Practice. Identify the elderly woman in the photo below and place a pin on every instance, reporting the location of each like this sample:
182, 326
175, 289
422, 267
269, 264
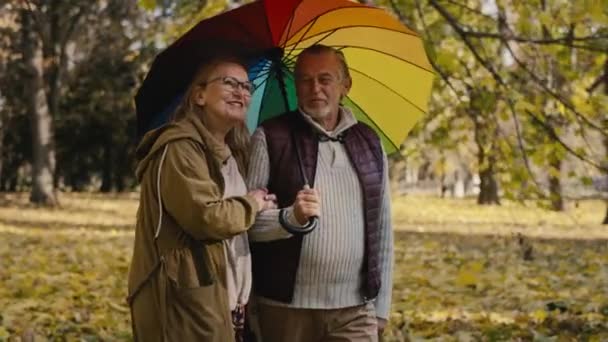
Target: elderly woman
190, 275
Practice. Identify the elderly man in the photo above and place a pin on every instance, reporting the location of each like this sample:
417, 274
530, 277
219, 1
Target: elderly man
335, 282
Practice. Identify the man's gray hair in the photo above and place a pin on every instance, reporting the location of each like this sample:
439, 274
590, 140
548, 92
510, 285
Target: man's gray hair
318, 49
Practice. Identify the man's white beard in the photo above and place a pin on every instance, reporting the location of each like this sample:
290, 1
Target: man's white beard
319, 113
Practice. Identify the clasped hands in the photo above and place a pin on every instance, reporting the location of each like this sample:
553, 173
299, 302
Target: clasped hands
306, 205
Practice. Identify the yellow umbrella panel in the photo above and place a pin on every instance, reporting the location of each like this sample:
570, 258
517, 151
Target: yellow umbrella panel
392, 78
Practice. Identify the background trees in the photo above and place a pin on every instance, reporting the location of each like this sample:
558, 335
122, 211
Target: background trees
518, 109
523, 81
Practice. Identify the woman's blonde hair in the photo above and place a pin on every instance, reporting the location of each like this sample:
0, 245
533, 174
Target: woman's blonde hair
238, 137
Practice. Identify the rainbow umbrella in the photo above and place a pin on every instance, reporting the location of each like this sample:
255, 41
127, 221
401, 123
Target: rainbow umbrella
392, 77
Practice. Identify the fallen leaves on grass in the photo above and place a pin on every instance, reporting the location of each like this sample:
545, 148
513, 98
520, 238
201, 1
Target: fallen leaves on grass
462, 273
63, 271
461, 282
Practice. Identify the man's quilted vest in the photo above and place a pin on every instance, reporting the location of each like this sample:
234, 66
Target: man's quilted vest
275, 263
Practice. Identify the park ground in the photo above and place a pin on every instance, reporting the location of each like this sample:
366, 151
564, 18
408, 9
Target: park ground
462, 272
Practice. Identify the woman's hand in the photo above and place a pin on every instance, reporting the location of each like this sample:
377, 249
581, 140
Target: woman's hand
264, 199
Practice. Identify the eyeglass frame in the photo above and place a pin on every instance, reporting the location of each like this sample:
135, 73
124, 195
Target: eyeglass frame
239, 84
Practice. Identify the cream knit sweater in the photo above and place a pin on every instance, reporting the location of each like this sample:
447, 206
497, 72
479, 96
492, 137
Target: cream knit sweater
238, 257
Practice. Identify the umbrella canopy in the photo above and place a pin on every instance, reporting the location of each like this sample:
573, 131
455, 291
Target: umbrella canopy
392, 77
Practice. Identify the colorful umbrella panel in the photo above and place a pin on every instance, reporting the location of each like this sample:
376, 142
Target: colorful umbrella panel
391, 75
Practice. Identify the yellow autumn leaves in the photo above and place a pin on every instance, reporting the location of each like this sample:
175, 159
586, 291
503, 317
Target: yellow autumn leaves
461, 273
469, 273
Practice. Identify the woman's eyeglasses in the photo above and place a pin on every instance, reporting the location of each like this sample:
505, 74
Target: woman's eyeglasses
233, 84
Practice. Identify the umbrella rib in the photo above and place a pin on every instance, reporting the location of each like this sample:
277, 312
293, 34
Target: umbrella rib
391, 55
291, 19
268, 22
263, 73
329, 33
375, 50
290, 61
357, 26
260, 75
261, 70
265, 70
353, 103
266, 89
387, 87
308, 29
353, 26
291, 58
261, 84
316, 18
317, 42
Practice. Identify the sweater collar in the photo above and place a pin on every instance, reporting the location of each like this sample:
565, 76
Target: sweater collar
346, 119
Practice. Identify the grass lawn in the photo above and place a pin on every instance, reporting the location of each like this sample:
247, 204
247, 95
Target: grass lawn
462, 272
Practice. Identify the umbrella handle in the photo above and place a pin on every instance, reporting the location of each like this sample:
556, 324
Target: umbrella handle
312, 223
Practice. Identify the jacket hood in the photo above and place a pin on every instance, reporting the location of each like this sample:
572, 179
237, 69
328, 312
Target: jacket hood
190, 127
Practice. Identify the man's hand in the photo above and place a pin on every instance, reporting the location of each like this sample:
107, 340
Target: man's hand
306, 205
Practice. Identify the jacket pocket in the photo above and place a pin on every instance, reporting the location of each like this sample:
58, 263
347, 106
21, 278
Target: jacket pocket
197, 307
189, 268
198, 314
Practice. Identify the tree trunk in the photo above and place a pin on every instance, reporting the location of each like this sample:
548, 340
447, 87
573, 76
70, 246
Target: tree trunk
107, 171
120, 183
606, 127
3, 122
2, 129
555, 158
43, 149
555, 186
55, 53
606, 149
488, 187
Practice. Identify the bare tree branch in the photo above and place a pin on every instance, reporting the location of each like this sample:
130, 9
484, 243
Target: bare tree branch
520, 144
566, 40
602, 78
520, 140
456, 26
74, 20
543, 84
444, 76
488, 66
473, 10
400, 15
36, 15
555, 137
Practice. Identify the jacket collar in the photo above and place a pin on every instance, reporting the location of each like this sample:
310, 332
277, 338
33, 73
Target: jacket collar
219, 150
